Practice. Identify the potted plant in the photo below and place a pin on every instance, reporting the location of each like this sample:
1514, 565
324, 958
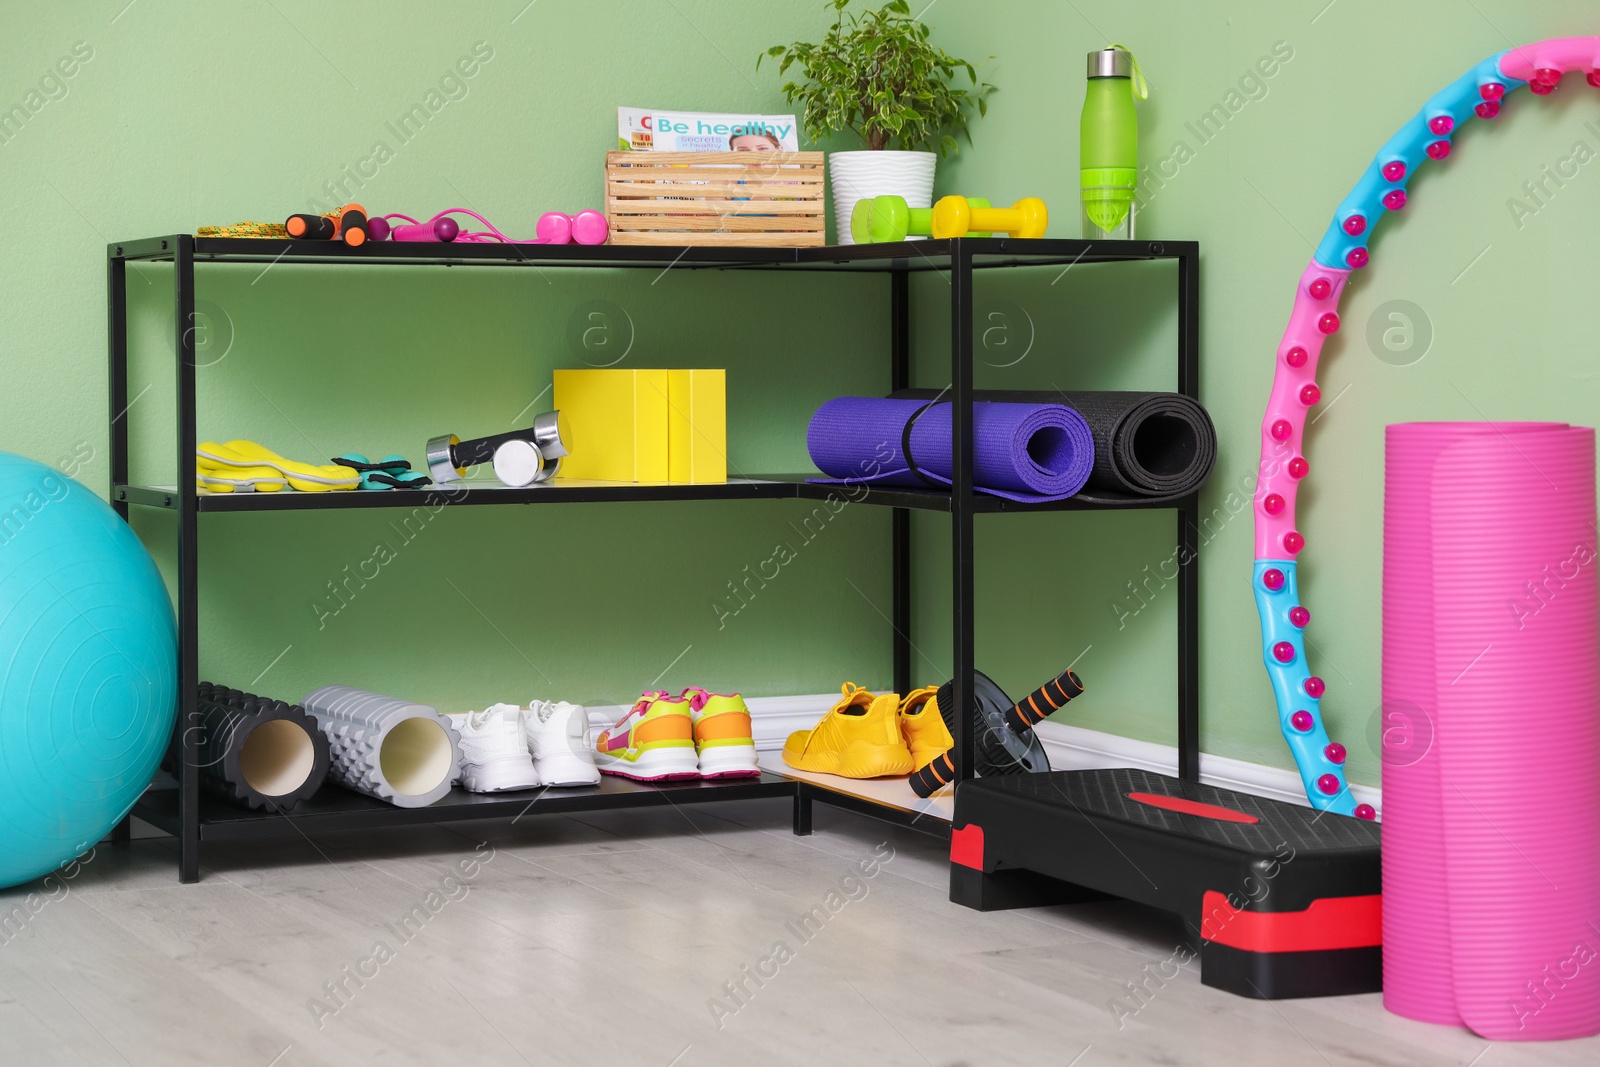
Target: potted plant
876, 74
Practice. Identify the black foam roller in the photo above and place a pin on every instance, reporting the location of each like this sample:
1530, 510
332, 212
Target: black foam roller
1150, 446
271, 771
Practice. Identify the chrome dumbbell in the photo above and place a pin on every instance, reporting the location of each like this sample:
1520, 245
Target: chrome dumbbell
520, 457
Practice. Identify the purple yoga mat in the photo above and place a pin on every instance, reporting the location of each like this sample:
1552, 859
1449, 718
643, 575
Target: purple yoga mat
1022, 452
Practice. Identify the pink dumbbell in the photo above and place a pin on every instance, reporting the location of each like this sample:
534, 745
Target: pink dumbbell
587, 227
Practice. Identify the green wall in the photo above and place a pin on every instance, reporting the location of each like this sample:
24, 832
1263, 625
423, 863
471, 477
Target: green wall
185, 114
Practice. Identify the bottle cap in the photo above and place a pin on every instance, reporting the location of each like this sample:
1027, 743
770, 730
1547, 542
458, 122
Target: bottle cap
1111, 63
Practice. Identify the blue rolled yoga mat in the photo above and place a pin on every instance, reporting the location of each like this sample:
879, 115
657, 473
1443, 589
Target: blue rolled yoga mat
1022, 452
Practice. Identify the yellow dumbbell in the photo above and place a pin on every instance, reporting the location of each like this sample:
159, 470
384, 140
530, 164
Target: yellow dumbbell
955, 216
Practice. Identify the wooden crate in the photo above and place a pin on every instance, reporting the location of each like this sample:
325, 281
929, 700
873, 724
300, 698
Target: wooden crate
716, 198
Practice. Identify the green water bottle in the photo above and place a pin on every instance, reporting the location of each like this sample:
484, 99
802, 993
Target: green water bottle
1108, 143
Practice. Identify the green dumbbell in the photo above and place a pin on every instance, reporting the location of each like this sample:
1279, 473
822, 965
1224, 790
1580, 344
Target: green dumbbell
882, 219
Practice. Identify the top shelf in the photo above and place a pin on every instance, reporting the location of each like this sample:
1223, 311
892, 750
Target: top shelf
904, 256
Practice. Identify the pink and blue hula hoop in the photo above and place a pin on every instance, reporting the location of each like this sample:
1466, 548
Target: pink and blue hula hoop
1279, 543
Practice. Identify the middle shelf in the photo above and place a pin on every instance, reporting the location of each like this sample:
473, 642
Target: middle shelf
575, 491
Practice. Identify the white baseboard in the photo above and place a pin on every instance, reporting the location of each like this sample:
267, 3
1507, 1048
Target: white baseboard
773, 719
1075, 748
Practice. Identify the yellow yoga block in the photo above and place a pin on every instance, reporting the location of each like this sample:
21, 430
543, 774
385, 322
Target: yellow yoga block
697, 425
618, 420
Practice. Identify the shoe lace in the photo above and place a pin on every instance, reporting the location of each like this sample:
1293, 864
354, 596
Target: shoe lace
854, 695
696, 696
642, 703
549, 709
476, 720
850, 690
479, 719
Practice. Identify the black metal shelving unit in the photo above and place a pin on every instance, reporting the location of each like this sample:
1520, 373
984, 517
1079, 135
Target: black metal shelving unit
194, 818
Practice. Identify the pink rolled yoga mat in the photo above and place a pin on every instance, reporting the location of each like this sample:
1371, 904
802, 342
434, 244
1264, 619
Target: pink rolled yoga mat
1491, 690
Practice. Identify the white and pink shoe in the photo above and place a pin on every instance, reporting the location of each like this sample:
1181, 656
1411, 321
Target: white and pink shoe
722, 738
653, 742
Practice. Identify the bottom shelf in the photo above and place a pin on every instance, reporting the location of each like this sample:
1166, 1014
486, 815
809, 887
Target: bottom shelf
336, 808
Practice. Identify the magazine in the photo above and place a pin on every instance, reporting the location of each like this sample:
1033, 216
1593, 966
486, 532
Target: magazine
647, 130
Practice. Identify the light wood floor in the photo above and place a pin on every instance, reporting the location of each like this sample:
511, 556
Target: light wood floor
608, 939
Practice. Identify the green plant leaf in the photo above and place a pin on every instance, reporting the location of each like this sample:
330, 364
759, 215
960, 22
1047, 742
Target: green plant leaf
876, 75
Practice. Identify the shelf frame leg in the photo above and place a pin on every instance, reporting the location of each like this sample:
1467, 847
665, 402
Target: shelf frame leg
117, 376
802, 811
116, 415
962, 546
900, 520
1188, 531
188, 566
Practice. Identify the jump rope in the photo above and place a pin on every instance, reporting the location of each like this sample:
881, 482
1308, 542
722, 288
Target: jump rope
587, 227
352, 226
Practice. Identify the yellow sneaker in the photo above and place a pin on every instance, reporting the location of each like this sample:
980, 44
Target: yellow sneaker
925, 732
859, 738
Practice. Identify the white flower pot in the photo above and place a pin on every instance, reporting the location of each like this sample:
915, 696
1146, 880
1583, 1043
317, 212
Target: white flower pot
857, 175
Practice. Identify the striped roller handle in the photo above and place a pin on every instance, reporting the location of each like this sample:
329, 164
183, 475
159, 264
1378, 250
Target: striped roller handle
1050, 697
936, 774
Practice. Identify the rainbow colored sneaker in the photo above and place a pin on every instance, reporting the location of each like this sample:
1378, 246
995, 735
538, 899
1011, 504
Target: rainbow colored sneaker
859, 738
654, 742
925, 732
722, 737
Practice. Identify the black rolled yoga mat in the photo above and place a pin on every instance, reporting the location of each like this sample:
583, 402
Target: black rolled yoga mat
262, 753
1147, 446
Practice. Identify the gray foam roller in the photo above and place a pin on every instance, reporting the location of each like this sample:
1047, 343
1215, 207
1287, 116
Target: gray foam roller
403, 753
255, 751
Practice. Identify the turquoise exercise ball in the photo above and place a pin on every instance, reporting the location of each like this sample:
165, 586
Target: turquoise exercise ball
88, 669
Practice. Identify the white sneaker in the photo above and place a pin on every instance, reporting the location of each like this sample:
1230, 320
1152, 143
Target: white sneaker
558, 741
494, 750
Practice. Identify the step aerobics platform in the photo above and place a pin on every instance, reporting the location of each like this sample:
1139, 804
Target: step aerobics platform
1282, 901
